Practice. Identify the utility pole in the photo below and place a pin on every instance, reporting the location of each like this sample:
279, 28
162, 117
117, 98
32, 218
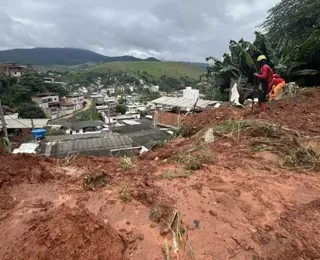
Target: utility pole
109, 119
4, 127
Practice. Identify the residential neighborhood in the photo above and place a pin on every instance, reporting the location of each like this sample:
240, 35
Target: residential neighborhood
111, 117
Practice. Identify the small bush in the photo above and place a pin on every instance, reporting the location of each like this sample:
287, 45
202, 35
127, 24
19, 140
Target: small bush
124, 193
183, 131
92, 181
126, 163
303, 158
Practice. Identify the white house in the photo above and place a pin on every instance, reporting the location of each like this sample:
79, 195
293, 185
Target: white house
154, 88
190, 93
132, 109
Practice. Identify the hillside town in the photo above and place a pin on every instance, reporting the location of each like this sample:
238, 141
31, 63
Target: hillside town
160, 130
97, 113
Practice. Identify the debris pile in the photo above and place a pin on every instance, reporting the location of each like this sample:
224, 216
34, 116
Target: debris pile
234, 185
67, 233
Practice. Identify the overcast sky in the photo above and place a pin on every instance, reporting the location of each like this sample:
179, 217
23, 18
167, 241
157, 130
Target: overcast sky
187, 30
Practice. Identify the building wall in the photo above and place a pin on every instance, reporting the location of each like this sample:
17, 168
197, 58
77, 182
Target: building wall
190, 93
168, 119
77, 102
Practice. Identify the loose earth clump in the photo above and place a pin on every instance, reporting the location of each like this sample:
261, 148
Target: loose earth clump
67, 233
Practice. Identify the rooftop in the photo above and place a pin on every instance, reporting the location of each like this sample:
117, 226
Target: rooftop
143, 124
97, 145
147, 137
25, 123
84, 124
183, 102
45, 95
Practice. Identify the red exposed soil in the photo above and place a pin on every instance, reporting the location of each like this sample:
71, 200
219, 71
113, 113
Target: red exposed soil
16, 169
300, 113
65, 233
239, 205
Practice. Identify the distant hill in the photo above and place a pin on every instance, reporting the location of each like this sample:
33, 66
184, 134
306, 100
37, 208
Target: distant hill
156, 69
60, 56
200, 64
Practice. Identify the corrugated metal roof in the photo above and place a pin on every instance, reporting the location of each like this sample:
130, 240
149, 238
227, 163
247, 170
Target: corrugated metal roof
57, 138
25, 123
99, 146
146, 138
183, 102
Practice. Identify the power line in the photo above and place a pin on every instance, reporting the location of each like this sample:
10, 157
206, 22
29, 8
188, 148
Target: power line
20, 122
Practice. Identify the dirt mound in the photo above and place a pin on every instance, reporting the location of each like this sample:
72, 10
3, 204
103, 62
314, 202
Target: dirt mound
66, 233
299, 113
16, 169
302, 223
7, 202
196, 122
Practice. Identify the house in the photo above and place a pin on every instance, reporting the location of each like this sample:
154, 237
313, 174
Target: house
165, 116
52, 81
77, 100
82, 127
67, 107
154, 88
49, 102
54, 108
14, 69
98, 99
132, 109
190, 93
17, 126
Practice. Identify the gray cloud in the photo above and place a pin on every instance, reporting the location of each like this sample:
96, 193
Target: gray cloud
168, 29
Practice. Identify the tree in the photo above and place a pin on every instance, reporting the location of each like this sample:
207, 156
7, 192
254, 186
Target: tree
294, 26
20, 94
30, 110
34, 82
293, 19
121, 109
122, 101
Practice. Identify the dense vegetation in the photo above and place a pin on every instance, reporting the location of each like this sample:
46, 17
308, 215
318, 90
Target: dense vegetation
17, 93
291, 44
59, 56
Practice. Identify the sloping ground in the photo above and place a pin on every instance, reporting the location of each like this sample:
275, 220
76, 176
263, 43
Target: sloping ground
300, 113
252, 193
154, 68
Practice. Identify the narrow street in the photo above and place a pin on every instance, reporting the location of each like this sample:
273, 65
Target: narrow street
88, 105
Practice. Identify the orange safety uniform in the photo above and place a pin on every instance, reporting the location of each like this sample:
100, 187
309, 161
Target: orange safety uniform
278, 84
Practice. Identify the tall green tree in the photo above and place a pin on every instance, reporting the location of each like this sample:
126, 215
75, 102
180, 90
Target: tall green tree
294, 19
294, 26
30, 110
34, 82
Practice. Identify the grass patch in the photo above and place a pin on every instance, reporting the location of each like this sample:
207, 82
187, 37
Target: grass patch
303, 158
230, 127
261, 148
156, 69
124, 192
265, 129
93, 181
175, 174
183, 131
196, 157
126, 163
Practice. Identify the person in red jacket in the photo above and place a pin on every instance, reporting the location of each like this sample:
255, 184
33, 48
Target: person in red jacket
278, 84
266, 80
